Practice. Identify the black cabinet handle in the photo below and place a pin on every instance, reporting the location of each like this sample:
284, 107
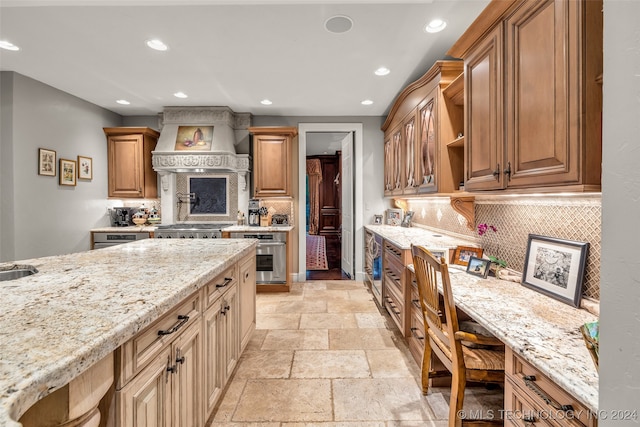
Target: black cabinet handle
227, 280
496, 171
182, 319
413, 332
529, 381
507, 171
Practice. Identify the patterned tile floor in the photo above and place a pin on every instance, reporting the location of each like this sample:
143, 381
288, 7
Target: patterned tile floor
324, 355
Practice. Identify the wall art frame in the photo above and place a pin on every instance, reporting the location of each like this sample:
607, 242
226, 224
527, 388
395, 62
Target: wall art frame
478, 267
462, 254
555, 267
68, 172
46, 162
377, 219
85, 167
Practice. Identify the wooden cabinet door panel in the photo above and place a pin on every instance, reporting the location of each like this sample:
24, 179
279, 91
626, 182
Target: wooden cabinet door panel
213, 376
388, 167
538, 98
483, 122
146, 401
247, 289
187, 395
125, 160
272, 161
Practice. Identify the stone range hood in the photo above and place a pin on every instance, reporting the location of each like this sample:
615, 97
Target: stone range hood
172, 164
228, 128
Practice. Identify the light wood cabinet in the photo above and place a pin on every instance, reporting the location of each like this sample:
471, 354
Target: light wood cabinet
395, 292
533, 398
419, 130
272, 160
541, 60
130, 172
247, 290
173, 372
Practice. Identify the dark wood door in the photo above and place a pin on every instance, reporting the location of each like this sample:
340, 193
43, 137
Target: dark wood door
329, 195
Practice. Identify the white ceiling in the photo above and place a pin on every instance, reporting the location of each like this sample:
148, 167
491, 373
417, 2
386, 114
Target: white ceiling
230, 53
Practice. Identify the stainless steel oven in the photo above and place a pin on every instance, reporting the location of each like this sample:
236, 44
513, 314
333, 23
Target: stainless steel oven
271, 255
106, 239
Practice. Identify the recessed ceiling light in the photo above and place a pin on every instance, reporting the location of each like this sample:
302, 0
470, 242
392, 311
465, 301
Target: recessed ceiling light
157, 45
382, 71
266, 102
435, 26
180, 95
338, 24
367, 102
8, 45
123, 102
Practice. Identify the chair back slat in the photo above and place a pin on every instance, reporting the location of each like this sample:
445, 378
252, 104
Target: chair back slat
430, 271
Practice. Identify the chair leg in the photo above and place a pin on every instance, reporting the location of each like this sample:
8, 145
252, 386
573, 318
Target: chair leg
426, 366
458, 384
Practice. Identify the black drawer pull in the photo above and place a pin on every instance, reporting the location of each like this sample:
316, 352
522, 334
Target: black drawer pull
227, 280
529, 381
413, 332
182, 319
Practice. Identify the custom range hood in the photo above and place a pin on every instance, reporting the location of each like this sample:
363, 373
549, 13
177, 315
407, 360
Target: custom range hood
201, 139
202, 178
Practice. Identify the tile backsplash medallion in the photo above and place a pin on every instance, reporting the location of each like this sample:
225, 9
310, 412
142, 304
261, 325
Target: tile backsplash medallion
574, 218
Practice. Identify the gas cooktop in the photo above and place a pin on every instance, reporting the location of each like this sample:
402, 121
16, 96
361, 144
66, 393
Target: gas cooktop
190, 231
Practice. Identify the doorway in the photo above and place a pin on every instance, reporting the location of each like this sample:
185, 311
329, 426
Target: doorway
338, 221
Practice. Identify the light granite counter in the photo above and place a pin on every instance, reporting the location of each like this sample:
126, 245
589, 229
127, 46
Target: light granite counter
80, 307
404, 237
130, 229
255, 229
542, 330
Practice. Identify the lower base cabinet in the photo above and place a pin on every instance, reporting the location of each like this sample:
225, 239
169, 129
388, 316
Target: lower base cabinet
173, 372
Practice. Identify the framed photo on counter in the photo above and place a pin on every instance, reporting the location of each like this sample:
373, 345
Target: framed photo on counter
462, 254
555, 267
394, 217
478, 267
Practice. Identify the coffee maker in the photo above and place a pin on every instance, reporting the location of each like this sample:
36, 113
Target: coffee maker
254, 215
121, 217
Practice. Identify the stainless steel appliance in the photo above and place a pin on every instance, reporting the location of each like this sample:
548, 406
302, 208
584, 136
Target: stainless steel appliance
106, 239
373, 265
271, 255
254, 214
121, 217
190, 231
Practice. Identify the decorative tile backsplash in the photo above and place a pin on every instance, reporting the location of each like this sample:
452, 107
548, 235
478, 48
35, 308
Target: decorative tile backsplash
183, 211
279, 207
572, 218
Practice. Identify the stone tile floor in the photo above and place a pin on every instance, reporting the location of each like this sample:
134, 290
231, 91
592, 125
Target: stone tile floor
325, 355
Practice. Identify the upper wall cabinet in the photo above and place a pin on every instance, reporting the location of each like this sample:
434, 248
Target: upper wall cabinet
422, 153
533, 98
273, 160
131, 174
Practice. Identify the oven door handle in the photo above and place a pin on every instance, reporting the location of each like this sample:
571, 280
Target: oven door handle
272, 244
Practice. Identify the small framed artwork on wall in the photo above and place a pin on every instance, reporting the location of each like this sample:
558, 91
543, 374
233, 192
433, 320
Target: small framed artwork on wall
46, 162
67, 172
85, 167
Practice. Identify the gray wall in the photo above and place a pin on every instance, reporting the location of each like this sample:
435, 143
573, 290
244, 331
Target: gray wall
38, 216
620, 272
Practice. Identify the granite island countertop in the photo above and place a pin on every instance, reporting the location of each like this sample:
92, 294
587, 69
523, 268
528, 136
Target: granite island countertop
80, 307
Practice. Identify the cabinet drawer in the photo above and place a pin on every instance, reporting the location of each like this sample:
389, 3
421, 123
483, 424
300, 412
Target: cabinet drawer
393, 273
395, 306
222, 282
392, 252
519, 411
140, 350
547, 396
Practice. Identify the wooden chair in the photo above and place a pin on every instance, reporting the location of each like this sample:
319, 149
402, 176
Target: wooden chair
443, 337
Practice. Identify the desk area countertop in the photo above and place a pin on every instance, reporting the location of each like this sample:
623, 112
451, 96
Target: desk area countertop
80, 307
403, 237
542, 330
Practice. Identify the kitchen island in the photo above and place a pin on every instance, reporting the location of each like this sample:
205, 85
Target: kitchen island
79, 308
